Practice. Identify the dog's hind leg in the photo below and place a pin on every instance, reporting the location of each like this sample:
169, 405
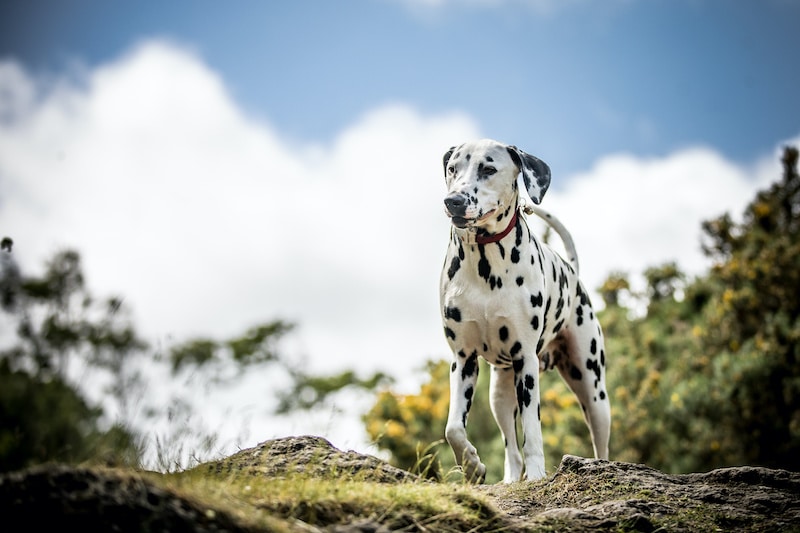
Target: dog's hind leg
504, 408
581, 363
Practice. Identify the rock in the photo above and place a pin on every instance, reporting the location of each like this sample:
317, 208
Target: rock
582, 495
313, 456
96, 499
599, 495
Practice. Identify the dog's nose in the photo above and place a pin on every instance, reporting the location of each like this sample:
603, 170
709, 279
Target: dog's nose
456, 204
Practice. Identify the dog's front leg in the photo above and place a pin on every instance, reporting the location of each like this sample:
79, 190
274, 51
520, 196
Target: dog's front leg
463, 380
504, 408
526, 377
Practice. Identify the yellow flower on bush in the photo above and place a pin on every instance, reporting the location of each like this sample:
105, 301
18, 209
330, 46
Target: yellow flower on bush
394, 429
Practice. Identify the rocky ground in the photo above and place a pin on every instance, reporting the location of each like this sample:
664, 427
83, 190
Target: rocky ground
583, 495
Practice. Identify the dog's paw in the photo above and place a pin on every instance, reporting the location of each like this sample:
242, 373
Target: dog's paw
474, 469
535, 472
475, 473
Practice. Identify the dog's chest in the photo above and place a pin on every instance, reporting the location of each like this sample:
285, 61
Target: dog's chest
499, 301
490, 298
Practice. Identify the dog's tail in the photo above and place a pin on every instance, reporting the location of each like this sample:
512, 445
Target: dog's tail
566, 238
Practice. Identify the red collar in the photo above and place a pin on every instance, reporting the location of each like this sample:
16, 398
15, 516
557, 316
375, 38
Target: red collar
488, 239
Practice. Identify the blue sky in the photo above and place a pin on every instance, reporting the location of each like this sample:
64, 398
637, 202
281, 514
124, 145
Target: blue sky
221, 164
569, 80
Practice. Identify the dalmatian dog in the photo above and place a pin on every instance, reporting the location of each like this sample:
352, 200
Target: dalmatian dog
509, 298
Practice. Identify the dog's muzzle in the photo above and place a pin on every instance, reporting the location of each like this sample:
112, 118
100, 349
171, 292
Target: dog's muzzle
455, 206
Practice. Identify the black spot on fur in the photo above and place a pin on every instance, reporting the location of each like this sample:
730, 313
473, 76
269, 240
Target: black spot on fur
538, 300
515, 349
514, 255
455, 264
583, 296
529, 382
449, 333
602, 395
575, 373
593, 346
503, 333
470, 366
520, 281
523, 396
484, 269
591, 364
559, 307
453, 313
453, 367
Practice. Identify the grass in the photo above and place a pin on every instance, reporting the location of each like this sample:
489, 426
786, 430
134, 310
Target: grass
281, 504
261, 495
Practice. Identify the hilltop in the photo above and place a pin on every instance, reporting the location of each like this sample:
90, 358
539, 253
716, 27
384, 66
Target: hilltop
305, 484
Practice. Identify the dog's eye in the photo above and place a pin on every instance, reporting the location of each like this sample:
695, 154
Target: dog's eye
487, 171
451, 169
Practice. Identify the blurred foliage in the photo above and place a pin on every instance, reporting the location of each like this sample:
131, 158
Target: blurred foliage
67, 346
708, 376
309, 390
224, 361
60, 329
753, 324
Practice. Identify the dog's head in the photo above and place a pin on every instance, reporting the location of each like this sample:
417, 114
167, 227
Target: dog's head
481, 181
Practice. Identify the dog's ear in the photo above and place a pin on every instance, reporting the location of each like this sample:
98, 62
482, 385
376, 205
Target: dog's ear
446, 158
535, 173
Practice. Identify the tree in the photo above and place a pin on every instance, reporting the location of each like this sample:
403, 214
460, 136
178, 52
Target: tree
60, 328
754, 321
62, 332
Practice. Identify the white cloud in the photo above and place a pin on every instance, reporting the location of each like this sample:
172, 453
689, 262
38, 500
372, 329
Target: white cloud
628, 213
208, 222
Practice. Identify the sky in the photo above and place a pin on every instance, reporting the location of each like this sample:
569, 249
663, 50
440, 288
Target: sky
220, 164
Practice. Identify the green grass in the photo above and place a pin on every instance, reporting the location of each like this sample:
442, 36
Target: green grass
278, 504
294, 500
